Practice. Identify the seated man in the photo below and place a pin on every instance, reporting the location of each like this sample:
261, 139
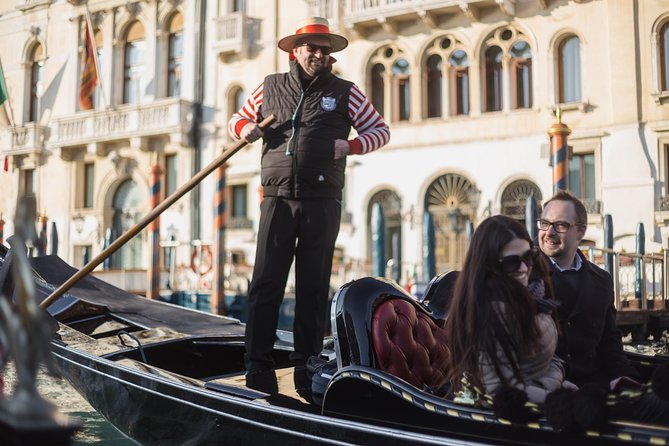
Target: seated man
589, 340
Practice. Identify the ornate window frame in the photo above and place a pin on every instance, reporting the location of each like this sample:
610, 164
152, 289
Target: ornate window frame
444, 47
387, 56
660, 95
505, 38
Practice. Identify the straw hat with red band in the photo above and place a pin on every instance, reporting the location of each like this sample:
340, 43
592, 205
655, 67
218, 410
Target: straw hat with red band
314, 26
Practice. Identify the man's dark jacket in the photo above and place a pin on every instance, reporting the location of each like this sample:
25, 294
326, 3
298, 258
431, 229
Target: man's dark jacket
308, 121
590, 341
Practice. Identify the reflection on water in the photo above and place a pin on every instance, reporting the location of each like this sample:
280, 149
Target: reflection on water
96, 429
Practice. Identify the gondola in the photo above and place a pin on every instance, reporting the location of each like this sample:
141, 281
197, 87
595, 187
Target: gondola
164, 374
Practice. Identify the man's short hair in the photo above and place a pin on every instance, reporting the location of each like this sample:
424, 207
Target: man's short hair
581, 213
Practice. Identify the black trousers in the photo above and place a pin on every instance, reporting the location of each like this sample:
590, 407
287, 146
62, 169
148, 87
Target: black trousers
305, 230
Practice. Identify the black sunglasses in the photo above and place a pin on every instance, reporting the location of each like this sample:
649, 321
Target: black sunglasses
325, 50
510, 264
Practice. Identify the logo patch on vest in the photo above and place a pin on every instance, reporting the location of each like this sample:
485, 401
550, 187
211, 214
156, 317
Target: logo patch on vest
328, 104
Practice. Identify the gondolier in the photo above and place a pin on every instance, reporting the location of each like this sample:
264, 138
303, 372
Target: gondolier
303, 162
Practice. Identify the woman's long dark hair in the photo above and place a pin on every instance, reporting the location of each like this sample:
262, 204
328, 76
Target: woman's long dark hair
474, 325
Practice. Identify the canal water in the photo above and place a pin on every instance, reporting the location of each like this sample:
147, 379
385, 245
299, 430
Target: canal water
96, 430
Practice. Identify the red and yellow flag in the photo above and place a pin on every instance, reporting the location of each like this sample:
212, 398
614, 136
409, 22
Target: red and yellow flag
89, 72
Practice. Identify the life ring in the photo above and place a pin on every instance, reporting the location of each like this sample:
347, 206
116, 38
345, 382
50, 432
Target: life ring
202, 263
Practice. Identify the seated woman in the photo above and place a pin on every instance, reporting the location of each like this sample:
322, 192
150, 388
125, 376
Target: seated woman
500, 326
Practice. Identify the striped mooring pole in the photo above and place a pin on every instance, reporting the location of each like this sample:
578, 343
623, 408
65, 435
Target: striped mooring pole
558, 133
220, 222
153, 290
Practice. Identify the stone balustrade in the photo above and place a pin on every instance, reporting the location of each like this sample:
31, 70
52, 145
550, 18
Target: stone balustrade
25, 139
230, 33
163, 116
379, 11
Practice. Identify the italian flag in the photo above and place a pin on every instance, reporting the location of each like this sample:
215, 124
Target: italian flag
5, 118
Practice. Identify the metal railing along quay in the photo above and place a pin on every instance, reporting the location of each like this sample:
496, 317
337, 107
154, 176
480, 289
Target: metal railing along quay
640, 281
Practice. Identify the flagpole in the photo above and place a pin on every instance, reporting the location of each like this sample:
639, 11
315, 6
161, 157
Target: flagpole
89, 26
9, 102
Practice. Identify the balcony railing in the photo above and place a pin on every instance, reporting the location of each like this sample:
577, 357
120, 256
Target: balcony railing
230, 33
240, 223
165, 116
361, 11
29, 138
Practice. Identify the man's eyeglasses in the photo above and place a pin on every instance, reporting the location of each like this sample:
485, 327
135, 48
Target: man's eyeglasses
510, 264
559, 226
325, 50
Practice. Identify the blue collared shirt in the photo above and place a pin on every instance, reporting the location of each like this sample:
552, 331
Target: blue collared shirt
578, 263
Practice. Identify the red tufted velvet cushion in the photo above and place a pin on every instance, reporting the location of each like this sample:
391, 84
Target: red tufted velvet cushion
409, 344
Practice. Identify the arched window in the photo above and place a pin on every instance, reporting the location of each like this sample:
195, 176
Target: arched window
445, 78
392, 232
133, 63
36, 83
664, 57
521, 75
452, 199
459, 82
127, 205
236, 99
433, 69
401, 90
493, 79
175, 56
569, 70
388, 67
507, 63
378, 88
515, 196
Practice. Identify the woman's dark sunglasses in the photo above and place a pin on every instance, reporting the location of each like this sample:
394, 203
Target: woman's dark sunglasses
510, 264
325, 50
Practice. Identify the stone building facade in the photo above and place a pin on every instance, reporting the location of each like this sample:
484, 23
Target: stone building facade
469, 88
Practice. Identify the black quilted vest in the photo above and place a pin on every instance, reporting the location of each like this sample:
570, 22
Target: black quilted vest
307, 124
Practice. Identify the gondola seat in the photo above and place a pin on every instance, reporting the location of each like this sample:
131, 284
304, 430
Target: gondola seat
389, 347
409, 344
439, 293
378, 325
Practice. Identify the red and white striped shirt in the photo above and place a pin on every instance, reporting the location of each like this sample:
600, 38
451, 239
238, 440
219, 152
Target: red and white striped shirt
373, 132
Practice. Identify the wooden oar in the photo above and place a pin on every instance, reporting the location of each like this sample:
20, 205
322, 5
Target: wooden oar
155, 212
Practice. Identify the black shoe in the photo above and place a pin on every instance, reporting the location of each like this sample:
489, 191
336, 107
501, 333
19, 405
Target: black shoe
302, 382
262, 380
